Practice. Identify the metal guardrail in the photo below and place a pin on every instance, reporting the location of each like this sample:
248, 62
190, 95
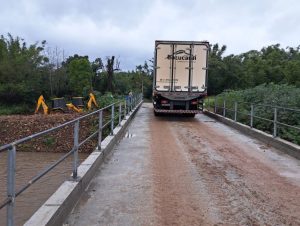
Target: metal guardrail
251, 113
124, 108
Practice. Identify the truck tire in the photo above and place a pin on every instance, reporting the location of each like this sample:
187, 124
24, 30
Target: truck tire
156, 113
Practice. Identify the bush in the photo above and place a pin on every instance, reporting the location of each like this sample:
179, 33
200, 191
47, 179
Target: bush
106, 99
15, 109
265, 98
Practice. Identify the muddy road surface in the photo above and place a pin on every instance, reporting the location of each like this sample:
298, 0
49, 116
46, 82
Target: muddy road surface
191, 171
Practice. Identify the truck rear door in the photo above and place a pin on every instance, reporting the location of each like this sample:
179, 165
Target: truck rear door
181, 67
198, 79
163, 76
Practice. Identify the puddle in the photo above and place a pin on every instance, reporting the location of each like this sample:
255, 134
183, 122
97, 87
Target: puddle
129, 135
291, 174
232, 175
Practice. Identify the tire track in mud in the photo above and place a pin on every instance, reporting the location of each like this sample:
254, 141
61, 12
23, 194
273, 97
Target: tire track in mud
176, 199
246, 191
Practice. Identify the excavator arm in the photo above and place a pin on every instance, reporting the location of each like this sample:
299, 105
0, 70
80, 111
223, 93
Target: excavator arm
73, 107
91, 101
41, 101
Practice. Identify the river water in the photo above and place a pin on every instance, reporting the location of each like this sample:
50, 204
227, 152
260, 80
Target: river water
28, 165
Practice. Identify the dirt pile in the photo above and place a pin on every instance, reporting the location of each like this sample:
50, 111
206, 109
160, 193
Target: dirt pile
15, 127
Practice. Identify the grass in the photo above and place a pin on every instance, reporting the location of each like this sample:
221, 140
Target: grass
49, 141
15, 109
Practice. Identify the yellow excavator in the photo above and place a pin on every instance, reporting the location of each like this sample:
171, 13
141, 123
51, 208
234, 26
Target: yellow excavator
70, 106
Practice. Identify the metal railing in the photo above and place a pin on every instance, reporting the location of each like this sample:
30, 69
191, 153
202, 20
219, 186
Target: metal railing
123, 109
251, 112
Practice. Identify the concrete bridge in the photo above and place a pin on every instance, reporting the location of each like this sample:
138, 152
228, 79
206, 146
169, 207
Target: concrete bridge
181, 171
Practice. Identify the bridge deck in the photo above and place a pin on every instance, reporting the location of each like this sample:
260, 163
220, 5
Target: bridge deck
191, 171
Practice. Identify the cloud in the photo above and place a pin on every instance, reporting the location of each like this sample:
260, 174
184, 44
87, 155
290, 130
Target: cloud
129, 28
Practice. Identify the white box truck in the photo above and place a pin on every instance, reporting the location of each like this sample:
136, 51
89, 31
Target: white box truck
180, 77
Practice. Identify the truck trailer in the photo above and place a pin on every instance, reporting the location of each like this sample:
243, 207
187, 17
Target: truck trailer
180, 77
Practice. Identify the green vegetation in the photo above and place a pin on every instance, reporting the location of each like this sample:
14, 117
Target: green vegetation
14, 109
262, 97
22, 71
271, 64
270, 76
49, 141
27, 71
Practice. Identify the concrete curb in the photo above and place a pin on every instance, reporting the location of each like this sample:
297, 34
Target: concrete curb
280, 144
56, 209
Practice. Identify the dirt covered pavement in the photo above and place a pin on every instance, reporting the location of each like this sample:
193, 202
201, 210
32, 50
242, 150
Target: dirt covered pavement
191, 171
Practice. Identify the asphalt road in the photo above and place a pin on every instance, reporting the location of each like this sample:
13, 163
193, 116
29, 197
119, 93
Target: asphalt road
191, 171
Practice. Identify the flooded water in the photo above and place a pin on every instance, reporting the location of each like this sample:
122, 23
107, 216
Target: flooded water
30, 164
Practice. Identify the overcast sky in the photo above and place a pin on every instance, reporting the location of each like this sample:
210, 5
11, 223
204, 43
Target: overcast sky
128, 28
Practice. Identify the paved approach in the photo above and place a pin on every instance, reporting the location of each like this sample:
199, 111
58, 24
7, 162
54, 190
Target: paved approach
190, 171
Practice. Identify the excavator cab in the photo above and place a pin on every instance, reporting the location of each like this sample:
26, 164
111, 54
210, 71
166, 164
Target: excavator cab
78, 102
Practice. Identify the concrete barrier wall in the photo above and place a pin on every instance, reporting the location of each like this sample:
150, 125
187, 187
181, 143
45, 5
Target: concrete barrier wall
56, 209
280, 144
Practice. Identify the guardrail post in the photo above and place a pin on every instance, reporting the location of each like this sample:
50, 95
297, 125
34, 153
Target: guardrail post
11, 174
215, 105
112, 119
125, 110
100, 129
208, 104
275, 123
235, 111
224, 108
120, 113
75, 148
251, 115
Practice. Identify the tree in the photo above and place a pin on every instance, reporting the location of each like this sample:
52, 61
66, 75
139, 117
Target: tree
111, 67
22, 70
97, 66
216, 79
79, 72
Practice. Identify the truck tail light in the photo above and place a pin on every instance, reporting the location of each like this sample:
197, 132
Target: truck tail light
164, 101
194, 102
